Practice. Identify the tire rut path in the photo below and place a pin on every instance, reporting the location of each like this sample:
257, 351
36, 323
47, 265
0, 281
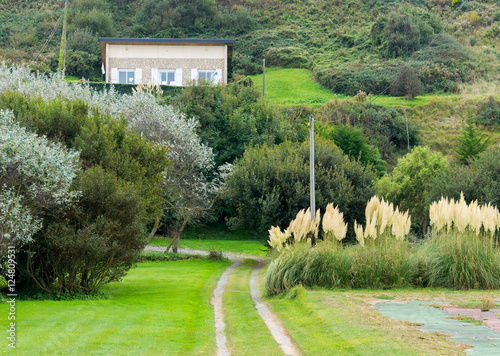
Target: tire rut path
273, 323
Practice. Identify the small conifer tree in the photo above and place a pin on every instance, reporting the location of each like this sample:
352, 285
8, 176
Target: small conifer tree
471, 144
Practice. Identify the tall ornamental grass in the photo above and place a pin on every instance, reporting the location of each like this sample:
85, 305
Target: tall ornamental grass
380, 259
463, 251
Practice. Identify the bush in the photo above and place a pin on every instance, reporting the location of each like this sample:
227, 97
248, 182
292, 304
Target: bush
354, 144
175, 18
233, 117
93, 15
386, 127
99, 238
411, 181
288, 57
407, 83
484, 172
269, 184
404, 30
489, 112
94, 244
371, 79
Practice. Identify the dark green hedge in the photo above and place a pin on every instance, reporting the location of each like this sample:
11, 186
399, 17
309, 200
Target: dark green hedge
128, 88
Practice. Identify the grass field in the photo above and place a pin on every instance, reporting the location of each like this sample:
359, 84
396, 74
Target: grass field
158, 308
343, 323
248, 247
290, 86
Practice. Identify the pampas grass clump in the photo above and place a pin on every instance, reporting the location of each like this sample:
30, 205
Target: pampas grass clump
382, 221
463, 253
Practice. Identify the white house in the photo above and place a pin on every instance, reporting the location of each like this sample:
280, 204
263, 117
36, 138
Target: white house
165, 61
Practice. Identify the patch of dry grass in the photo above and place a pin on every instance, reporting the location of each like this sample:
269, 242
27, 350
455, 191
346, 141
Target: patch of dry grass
326, 322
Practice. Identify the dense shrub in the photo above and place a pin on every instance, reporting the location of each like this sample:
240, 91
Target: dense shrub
354, 144
407, 83
233, 117
411, 181
489, 112
175, 18
349, 80
404, 30
288, 57
83, 54
484, 172
268, 185
388, 128
93, 15
99, 238
96, 242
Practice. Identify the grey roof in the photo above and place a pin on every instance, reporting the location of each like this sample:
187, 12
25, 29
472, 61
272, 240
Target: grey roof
165, 40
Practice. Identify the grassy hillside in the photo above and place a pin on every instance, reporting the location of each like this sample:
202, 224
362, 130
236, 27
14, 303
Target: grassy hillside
349, 45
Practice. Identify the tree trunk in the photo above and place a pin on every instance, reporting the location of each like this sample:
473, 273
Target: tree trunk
175, 241
155, 226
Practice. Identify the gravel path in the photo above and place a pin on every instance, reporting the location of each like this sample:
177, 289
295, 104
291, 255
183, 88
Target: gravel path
272, 321
216, 301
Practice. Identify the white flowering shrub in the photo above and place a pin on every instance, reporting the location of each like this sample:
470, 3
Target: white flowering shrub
191, 180
34, 174
17, 224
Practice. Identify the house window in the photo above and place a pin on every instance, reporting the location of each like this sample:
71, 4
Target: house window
207, 75
167, 77
126, 76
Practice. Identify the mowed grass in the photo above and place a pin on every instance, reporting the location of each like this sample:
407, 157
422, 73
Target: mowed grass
325, 322
247, 334
159, 308
292, 86
247, 247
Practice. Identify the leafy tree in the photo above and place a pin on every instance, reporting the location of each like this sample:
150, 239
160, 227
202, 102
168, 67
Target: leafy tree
184, 190
471, 144
269, 184
234, 116
354, 144
407, 83
480, 180
411, 181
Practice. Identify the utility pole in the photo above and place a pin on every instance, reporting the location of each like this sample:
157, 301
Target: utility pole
263, 77
62, 51
311, 162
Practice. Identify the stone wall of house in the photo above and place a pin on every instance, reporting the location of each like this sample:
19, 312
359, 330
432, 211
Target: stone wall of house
168, 64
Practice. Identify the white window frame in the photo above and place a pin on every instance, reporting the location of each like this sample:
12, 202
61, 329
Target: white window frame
167, 72
203, 73
127, 71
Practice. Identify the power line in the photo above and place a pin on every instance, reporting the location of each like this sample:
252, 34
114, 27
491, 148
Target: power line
422, 52
48, 39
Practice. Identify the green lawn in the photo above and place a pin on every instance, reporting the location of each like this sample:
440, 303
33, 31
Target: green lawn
290, 86
242, 317
158, 308
293, 87
248, 247
337, 322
